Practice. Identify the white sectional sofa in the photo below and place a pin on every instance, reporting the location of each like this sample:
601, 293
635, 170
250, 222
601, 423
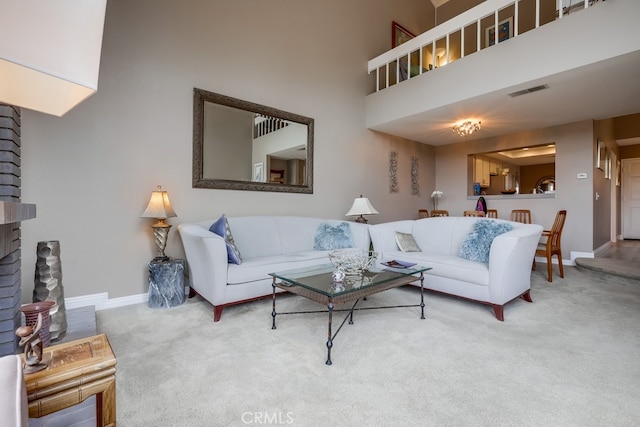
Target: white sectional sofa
505, 277
266, 244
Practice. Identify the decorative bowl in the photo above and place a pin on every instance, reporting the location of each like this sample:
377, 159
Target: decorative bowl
352, 261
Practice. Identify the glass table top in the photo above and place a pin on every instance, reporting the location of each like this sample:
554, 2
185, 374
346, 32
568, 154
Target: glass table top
319, 278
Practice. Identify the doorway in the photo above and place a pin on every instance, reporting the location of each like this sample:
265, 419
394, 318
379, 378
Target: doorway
631, 198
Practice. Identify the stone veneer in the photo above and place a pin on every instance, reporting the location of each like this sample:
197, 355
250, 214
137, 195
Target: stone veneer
10, 293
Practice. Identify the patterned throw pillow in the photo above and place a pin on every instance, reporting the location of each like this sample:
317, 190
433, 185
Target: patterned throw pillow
477, 244
330, 237
406, 242
222, 229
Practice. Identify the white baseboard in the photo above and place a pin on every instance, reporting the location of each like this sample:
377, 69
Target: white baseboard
571, 262
101, 301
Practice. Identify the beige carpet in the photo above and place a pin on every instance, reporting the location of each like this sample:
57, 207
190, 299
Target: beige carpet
570, 358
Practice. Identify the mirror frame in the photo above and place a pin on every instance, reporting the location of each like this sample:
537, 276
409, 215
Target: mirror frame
200, 96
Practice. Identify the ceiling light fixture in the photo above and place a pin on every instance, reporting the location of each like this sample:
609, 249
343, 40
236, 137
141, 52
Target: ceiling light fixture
467, 127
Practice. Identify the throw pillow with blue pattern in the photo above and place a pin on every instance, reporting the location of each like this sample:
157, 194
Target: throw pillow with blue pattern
477, 244
330, 237
222, 229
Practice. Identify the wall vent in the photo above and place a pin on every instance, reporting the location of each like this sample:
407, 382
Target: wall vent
529, 90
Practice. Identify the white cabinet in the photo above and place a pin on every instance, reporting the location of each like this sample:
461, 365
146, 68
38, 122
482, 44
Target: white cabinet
481, 171
494, 165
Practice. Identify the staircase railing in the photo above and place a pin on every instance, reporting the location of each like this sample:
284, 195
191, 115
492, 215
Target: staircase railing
446, 42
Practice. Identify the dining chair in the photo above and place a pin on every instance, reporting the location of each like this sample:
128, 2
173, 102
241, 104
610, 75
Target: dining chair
423, 213
492, 213
474, 213
439, 212
552, 244
521, 215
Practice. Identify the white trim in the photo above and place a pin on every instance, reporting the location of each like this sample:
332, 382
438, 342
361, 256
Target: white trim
576, 254
101, 301
598, 251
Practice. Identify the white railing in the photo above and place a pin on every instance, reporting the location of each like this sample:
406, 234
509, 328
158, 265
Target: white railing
264, 125
416, 56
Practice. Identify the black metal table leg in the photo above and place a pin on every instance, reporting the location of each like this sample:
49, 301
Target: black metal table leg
273, 310
421, 295
330, 337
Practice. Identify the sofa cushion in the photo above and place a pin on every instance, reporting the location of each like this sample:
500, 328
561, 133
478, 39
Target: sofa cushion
255, 269
330, 237
406, 242
477, 245
222, 229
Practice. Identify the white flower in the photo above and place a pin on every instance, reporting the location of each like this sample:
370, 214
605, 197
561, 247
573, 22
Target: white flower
436, 194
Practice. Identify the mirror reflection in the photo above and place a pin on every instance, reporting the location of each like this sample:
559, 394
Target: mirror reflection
515, 171
246, 146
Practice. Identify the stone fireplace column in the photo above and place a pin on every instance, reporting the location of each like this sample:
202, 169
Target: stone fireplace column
11, 213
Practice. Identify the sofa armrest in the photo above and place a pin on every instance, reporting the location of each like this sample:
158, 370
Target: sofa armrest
207, 259
13, 393
510, 263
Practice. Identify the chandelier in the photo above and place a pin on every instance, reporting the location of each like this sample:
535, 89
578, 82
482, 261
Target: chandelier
467, 127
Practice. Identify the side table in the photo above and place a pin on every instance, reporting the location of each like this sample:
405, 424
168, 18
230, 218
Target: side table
76, 370
166, 283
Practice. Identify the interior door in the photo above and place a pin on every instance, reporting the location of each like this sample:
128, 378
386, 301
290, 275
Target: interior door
631, 199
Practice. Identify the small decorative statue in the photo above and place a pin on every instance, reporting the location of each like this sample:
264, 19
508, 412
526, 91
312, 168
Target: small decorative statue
30, 339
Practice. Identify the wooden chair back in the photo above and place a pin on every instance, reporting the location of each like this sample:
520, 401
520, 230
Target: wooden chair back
552, 245
556, 230
439, 212
492, 213
521, 215
423, 213
474, 213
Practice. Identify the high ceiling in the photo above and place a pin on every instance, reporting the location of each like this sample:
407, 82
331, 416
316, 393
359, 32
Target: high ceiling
598, 91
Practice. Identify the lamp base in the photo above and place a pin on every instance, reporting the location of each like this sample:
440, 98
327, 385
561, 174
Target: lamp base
361, 220
160, 233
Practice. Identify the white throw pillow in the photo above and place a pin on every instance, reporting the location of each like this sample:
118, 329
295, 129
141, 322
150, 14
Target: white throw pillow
406, 242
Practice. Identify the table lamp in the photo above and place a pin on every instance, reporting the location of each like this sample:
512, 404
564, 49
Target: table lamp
159, 208
361, 206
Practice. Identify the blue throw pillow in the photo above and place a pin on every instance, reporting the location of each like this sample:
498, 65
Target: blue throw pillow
477, 244
222, 229
330, 237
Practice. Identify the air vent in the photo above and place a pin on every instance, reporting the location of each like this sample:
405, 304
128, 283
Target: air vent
529, 90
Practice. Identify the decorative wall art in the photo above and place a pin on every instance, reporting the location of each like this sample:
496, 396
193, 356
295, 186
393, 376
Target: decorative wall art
258, 172
415, 187
393, 172
601, 152
505, 31
618, 173
607, 163
399, 34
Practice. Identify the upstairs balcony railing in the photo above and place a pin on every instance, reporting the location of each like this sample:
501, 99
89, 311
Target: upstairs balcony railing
468, 33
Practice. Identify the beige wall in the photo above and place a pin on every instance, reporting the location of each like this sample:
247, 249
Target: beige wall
91, 172
574, 154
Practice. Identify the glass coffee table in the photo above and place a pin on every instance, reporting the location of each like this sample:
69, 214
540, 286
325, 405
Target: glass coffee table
317, 284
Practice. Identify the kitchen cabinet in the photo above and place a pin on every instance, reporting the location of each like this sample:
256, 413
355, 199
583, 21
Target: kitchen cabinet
481, 171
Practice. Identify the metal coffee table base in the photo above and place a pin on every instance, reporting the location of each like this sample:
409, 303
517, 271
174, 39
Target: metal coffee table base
331, 301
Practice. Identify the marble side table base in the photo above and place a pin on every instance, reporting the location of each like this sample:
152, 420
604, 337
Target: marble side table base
166, 283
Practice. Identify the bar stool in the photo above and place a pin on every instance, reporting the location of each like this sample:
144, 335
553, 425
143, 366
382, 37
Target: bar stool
492, 213
439, 212
474, 213
423, 213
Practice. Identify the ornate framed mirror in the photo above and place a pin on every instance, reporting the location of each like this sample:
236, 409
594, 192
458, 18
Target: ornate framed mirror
240, 145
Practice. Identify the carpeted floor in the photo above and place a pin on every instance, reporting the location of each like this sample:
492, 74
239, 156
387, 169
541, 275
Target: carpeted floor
570, 358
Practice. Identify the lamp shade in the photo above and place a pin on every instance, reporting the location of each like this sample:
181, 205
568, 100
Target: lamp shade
50, 53
159, 206
361, 206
